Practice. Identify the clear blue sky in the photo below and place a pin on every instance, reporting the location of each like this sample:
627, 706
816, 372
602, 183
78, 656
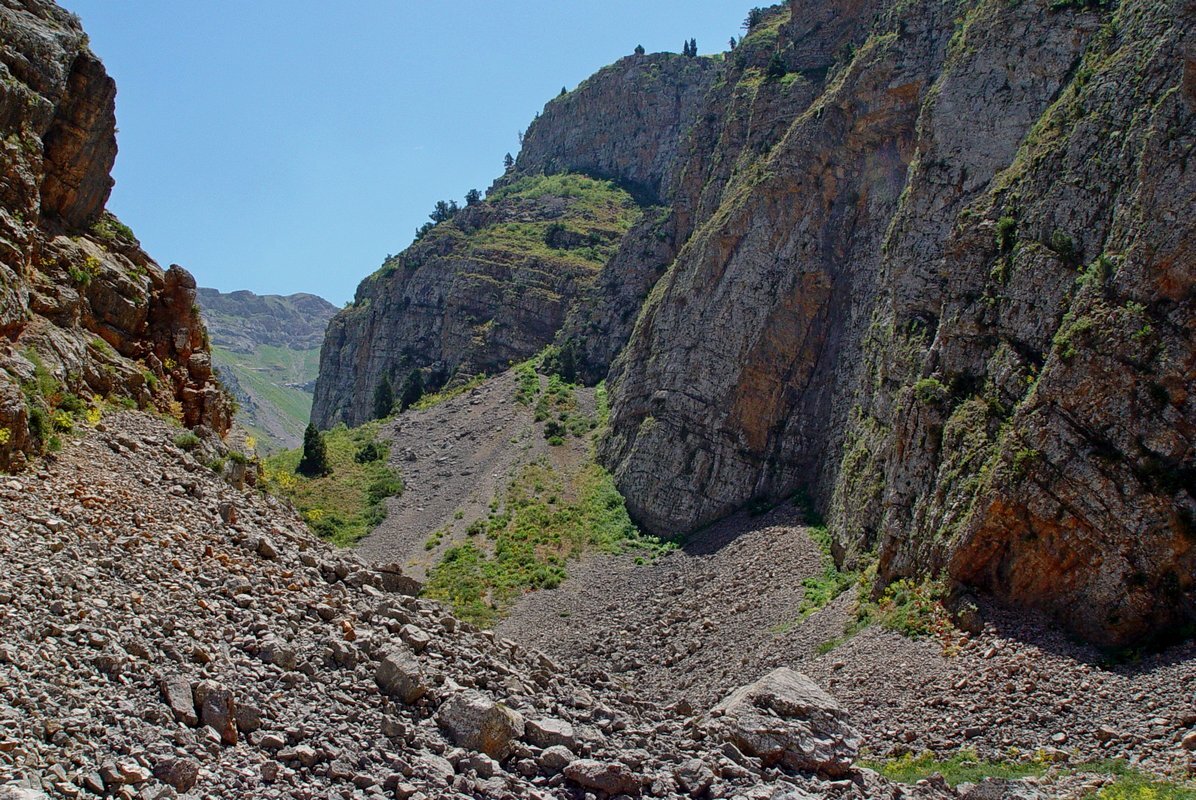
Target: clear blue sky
290, 146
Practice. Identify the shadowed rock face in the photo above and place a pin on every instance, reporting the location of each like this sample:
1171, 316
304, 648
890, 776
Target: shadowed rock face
83, 310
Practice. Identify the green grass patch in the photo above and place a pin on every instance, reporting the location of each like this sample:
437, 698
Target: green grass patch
346, 504
967, 767
963, 767
598, 213
436, 398
1134, 785
557, 408
273, 376
819, 590
542, 522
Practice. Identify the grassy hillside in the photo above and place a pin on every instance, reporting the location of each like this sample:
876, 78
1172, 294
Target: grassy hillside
272, 385
267, 348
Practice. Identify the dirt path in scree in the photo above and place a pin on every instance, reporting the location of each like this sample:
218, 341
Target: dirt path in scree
455, 458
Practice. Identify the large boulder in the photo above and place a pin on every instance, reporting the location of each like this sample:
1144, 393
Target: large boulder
476, 722
785, 718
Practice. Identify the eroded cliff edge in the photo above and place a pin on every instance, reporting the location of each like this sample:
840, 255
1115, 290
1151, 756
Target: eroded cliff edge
85, 314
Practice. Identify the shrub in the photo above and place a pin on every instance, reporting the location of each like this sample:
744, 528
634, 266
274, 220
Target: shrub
1065, 248
776, 69
930, 391
370, 452
384, 399
186, 441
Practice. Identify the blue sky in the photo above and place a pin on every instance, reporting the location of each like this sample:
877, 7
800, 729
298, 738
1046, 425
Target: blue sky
290, 146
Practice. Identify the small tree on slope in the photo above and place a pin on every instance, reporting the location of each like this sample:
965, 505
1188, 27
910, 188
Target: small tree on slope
315, 456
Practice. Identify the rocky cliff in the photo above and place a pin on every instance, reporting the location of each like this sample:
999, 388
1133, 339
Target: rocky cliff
85, 315
952, 301
244, 321
929, 265
498, 281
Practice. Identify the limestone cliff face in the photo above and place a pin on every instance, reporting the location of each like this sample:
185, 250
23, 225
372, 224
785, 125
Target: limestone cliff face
84, 312
930, 264
947, 287
485, 289
625, 123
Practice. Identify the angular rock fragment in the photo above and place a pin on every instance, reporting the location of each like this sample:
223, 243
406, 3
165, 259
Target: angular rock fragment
177, 693
399, 675
217, 710
603, 776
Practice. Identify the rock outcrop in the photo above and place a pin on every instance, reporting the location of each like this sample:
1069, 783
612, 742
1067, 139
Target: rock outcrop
486, 288
85, 315
538, 261
625, 123
244, 321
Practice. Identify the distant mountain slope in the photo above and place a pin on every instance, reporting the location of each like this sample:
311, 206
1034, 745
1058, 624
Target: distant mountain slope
267, 348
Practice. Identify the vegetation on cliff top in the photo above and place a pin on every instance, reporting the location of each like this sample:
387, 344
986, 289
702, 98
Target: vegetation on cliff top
567, 220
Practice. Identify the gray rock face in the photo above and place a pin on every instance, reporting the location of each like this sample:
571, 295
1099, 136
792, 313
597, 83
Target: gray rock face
785, 718
900, 307
470, 298
476, 722
243, 321
657, 98
485, 289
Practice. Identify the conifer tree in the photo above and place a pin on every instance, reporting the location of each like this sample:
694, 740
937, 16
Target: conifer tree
413, 390
384, 399
314, 461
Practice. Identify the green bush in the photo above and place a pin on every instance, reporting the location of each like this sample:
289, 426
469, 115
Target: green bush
370, 452
1006, 234
186, 441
